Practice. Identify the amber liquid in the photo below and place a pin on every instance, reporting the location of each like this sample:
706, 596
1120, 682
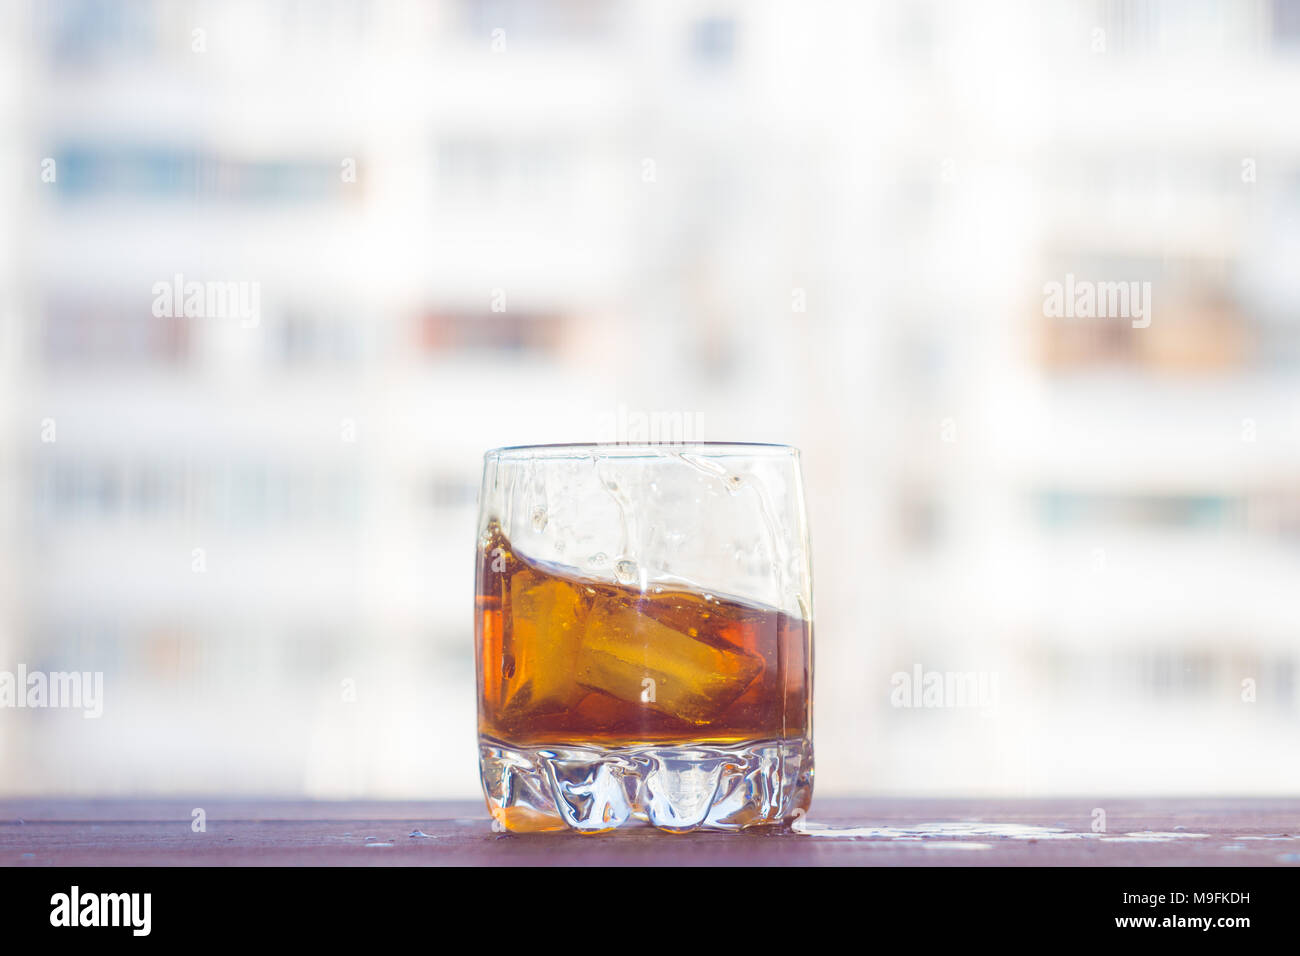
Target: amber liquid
563, 659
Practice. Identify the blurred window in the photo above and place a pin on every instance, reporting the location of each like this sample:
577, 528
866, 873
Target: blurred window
103, 331
519, 332
553, 20
1286, 23
176, 172
713, 40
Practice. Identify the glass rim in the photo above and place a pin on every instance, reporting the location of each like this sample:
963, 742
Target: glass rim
632, 449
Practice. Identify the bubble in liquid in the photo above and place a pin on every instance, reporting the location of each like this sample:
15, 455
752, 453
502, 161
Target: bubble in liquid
625, 570
598, 560
539, 519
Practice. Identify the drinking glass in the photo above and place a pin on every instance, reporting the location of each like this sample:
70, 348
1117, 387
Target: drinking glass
643, 637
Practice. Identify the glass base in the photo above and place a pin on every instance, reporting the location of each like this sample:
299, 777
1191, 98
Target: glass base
674, 788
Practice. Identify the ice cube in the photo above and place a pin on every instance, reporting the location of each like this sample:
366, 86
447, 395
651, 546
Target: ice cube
638, 659
541, 646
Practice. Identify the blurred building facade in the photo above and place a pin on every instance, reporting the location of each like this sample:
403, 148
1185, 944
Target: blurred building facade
468, 224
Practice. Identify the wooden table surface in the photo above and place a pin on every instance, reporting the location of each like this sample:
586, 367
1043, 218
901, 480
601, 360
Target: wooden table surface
243, 832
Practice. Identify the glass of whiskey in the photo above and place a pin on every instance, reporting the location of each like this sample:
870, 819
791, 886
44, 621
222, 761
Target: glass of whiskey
643, 637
